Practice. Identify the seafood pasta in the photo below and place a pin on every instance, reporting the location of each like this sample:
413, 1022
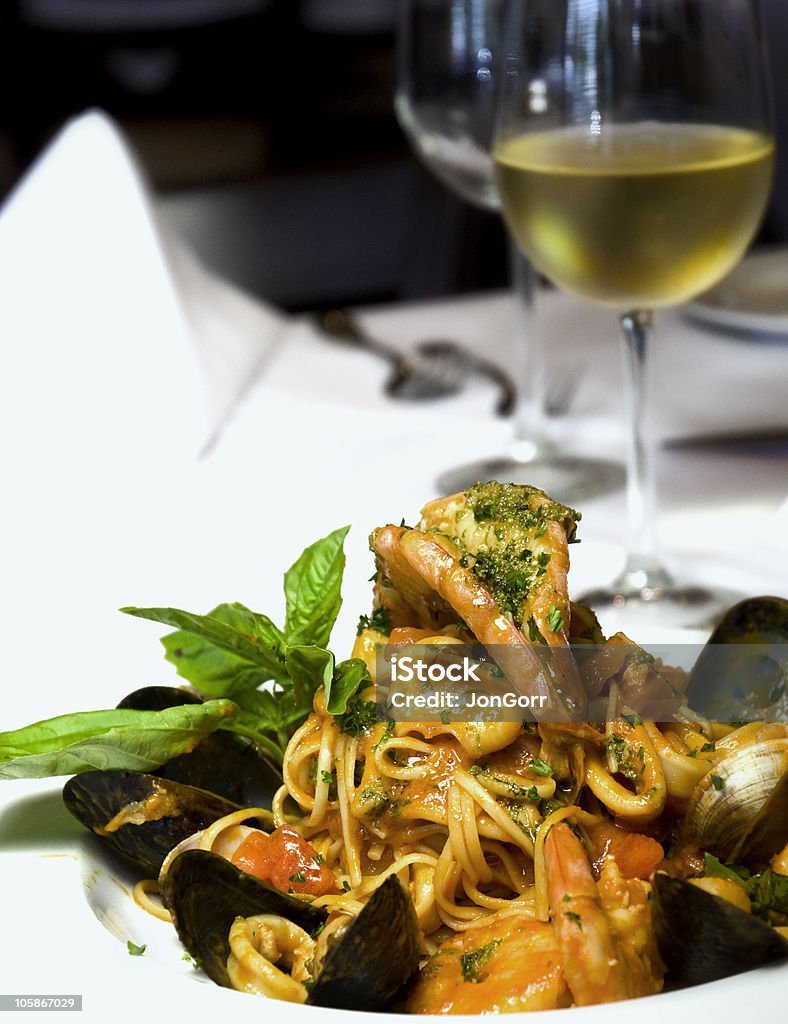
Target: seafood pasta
490, 865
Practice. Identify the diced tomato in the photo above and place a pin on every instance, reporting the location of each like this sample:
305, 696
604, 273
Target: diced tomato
636, 855
285, 860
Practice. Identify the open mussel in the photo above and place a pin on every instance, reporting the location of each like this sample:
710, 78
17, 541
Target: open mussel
703, 938
141, 816
742, 671
362, 968
205, 893
374, 958
222, 762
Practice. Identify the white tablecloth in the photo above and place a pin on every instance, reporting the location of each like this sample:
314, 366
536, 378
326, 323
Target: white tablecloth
120, 359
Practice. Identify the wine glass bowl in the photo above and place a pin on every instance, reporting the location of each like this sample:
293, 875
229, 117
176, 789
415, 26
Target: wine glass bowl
633, 158
445, 96
448, 63
676, 204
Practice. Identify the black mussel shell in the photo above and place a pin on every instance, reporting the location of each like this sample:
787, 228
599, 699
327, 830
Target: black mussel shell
157, 698
177, 811
704, 938
222, 762
742, 671
376, 956
205, 893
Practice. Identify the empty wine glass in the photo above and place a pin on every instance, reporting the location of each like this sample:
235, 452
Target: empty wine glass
634, 159
445, 101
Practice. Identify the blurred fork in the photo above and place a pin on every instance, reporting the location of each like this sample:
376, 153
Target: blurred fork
434, 368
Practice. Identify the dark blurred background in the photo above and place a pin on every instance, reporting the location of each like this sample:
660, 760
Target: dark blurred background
266, 128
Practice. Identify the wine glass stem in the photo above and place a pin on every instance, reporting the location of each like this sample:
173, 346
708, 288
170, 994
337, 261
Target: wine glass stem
528, 359
642, 568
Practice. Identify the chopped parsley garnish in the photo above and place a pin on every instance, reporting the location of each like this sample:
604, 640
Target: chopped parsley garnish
318, 859
640, 657
768, 890
574, 917
510, 787
540, 767
134, 949
555, 619
316, 931
498, 531
195, 961
385, 737
345, 885
630, 761
717, 782
374, 798
396, 806
380, 619
708, 748
298, 878
360, 716
327, 777
473, 962
534, 635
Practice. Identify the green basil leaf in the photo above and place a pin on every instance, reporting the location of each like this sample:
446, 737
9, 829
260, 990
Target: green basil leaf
714, 868
121, 738
269, 718
349, 676
313, 591
770, 896
262, 647
217, 672
309, 668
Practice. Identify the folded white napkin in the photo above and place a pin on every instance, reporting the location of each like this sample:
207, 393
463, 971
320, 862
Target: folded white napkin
120, 359
104, 319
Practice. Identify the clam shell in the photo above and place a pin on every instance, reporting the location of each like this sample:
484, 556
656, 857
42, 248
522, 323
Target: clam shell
739, 810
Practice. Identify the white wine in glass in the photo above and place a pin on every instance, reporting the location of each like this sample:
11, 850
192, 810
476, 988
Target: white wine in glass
637, 181
448, 57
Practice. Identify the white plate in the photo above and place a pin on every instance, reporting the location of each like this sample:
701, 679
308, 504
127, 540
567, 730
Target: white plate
752, 298
68, 914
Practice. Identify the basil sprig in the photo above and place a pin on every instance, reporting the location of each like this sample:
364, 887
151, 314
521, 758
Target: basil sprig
259, 681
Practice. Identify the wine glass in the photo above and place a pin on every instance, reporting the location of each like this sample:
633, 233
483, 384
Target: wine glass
447, 52
633, 155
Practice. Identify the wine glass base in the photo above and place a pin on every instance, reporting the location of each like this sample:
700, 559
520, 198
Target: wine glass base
566, 478
668, 606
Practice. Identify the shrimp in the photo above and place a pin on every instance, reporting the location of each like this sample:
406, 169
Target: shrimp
509, 965
431, 579
603, 929
408, 597
516, 539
